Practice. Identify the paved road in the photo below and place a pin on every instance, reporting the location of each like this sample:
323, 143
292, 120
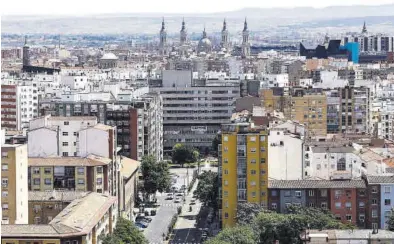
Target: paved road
167, 209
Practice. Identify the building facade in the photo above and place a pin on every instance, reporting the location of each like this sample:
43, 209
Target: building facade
243, 169
14, 182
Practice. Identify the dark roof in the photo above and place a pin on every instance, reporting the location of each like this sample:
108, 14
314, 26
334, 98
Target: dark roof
380, 179
306, 184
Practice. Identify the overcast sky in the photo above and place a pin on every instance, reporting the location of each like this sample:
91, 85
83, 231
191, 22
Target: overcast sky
80, 7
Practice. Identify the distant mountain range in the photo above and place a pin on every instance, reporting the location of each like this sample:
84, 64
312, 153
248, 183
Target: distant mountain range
259, 19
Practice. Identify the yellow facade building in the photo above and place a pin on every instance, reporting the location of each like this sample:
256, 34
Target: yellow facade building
14, 188
243, 170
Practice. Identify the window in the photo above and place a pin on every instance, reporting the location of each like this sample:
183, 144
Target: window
75, 143
323, 192
225, 149
47, 170
253, 150
225, 160
262, 160
348, 217
36, 182
48, 181
253, 194
226, 204
75, 154
81, 170
65, 143
5, 206
37, 220
387, 202
374, 189
387, 214
4, 182
387, 189
262, 149
226, 171
361, 193
225, 193
338, 217
311, 193
4, 194
298, 193
338, 205
274, 193
311, 205
225, 215
252, 138
226, 182
361, 217
287, 205
81, 181
274, 205
374, 201
4, 167
65, 154
65, 133
287, 193
225, 138
253, 161
374, 213
348, 204
99, 169
341, 165
262, 171
36, 170
253, 183
263, 193
75, 133
374, 225
361, 204
262, 138
66, 123
253, 172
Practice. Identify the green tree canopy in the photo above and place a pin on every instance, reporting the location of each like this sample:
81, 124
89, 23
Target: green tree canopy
156, 175
215, 143
182, 154
208, 188
238, 234
390, 223
125, 233
246, 212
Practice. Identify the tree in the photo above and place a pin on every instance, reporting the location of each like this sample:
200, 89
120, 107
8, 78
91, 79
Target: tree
215, 143
238, 234
246, 212
182, 154
156, 175
125, 233
390, 223
208, 189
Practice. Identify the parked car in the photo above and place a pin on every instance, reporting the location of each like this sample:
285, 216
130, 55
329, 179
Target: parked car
179, 194
177, 200
143, 219
141, 224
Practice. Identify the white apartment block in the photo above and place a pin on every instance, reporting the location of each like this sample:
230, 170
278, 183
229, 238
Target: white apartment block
27, 105
285, 155
274, 80
56, 136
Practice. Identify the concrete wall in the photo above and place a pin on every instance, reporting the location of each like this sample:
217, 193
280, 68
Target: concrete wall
93, 141
386, 194
43, 143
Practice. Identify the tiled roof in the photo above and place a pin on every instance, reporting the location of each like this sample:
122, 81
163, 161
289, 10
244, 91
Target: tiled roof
28, 230
128, 166
390, 170
91, 160
305, 184
332, 149
67, 196
382, 179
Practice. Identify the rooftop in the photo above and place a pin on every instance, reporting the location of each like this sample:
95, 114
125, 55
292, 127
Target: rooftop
310, 184
72, 118
78, 218
332, 149
381, 179
128, 166
66, 196
91, 160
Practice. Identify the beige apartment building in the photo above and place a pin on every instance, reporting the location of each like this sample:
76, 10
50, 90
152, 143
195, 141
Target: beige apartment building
14, 201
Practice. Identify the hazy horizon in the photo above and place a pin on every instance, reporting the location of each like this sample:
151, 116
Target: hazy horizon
100, 7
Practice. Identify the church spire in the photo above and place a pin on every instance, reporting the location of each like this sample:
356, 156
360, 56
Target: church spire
245, 25
364, 29
224, 25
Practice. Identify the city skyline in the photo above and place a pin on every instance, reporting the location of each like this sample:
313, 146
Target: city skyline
23, 7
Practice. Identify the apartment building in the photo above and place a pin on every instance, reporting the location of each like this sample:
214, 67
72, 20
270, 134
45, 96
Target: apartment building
19, 105
139, 121
82, 221
9, 111
243, 168
56, 136
129, 186
193, 110
341, 197
385, 125
14, 179
308, 107
44, 206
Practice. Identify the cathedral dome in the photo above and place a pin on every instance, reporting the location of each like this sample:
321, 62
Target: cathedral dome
204, 45
109, 56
